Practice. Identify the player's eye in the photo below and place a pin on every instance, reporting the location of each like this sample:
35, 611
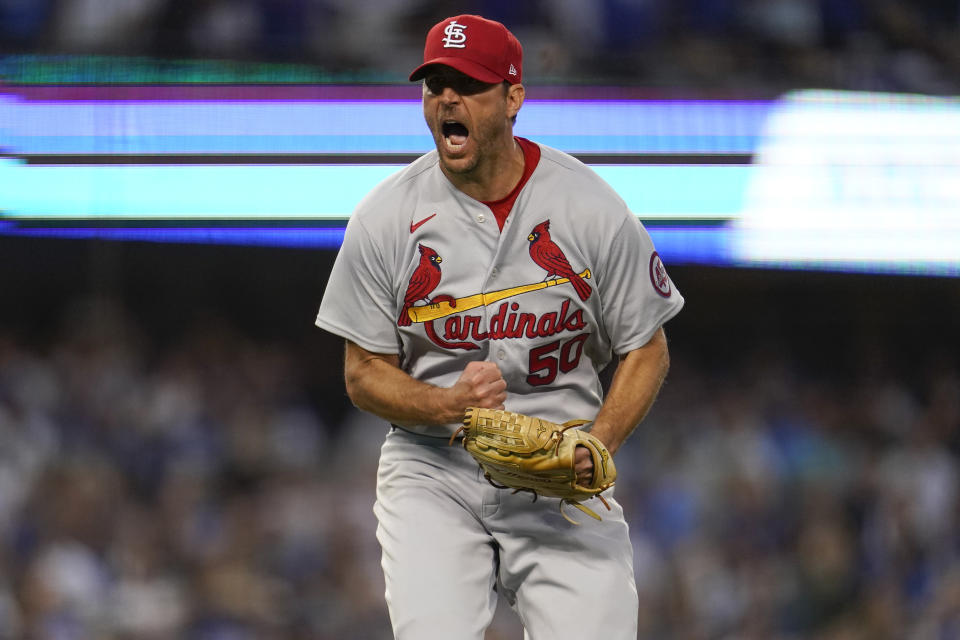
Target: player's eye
434, 84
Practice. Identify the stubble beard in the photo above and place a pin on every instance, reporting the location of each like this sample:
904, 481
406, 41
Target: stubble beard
485, 140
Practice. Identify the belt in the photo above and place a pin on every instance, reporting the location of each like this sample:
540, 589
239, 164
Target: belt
426, 437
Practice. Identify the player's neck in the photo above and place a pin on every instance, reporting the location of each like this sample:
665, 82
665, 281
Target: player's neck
494, 177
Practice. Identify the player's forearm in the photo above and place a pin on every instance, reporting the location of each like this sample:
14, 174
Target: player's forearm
635, 385
376, 384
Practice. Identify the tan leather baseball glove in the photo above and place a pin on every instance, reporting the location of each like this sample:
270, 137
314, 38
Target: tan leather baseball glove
524, 453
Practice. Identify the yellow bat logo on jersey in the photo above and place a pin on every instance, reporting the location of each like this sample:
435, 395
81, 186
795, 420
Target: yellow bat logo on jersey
428, 312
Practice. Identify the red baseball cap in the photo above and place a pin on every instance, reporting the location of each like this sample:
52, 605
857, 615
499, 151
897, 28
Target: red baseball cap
483, 49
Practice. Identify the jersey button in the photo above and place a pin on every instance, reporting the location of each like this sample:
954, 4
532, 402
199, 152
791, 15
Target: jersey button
501, 354
481, 218
493, 274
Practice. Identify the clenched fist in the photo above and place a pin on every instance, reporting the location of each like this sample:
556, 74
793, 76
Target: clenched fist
480, 385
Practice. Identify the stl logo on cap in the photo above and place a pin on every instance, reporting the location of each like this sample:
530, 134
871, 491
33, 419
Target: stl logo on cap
455, 37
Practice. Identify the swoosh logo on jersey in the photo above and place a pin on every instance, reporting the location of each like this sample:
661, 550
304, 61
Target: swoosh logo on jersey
416, 225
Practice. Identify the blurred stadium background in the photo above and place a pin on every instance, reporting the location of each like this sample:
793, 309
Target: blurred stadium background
174, 432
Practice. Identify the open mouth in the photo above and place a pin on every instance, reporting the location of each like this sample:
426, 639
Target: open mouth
455, 134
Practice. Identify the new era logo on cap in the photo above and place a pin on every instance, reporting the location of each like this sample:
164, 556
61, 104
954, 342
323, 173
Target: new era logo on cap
483, 49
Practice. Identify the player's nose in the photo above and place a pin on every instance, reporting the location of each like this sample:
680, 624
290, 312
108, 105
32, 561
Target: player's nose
449, 95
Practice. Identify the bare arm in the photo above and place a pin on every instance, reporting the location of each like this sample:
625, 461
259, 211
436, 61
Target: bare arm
376, 383
635, 385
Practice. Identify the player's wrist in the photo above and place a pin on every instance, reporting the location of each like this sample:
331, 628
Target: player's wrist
607, 435
444, 405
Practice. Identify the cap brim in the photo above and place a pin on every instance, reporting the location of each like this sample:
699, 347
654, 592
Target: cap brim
472, 69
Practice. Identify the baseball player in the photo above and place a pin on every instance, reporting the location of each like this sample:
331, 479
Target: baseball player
495, 272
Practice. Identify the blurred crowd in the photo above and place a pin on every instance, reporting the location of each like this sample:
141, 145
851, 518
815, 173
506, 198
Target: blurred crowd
194, 491
753, 46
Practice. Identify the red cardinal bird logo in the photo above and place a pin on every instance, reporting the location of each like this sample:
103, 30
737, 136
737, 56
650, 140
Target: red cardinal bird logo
424, 280
548, 255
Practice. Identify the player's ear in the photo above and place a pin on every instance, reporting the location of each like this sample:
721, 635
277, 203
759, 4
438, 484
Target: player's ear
515, 96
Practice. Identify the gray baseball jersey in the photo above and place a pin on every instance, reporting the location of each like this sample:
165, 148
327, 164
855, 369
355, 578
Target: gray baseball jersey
572, 279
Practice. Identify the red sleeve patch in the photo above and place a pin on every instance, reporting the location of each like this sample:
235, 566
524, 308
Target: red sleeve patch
659, 277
